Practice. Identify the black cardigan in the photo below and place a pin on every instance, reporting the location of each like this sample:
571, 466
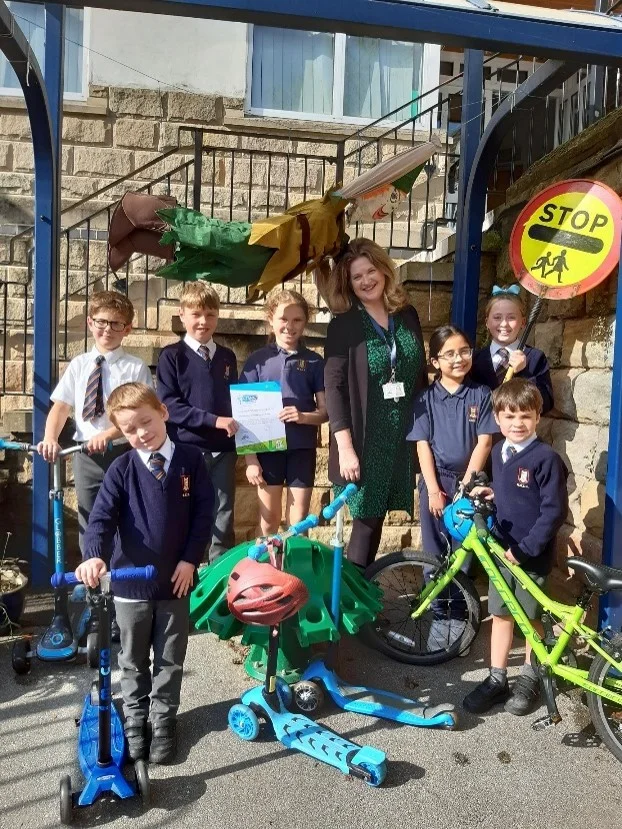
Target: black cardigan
346, 377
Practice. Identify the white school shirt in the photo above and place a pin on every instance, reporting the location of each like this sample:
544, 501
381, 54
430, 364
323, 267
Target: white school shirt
118, 367
167, 449
495, 348
518, 446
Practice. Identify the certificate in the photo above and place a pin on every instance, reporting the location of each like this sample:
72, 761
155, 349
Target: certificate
256, 408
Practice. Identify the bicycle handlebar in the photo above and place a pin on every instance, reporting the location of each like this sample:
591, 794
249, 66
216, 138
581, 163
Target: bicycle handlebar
340, 501
308, 523
17, 446
147, 573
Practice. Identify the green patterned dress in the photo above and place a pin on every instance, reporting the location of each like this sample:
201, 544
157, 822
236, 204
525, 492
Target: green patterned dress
387, 481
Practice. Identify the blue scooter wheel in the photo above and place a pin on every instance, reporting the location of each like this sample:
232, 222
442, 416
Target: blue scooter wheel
377, 772
243, 722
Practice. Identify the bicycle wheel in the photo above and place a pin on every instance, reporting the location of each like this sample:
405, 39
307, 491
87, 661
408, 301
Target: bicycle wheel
606, 716
445, 630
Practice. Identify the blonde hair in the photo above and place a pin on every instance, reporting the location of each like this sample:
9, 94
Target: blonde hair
131, 396
199, 295
510, 297
113, 301
338, 289
284, 297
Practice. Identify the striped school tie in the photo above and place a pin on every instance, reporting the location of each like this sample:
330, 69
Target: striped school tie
504, 362
156, 466
510, 452
205, 355
94, 397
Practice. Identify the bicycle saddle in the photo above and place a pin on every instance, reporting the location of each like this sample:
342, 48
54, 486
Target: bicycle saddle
598, 576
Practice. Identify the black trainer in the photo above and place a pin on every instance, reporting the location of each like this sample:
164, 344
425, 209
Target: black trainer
137, 739
485, 695
163, 742
525, 695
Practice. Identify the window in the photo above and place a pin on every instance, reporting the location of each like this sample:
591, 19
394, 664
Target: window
31, 20
337, 77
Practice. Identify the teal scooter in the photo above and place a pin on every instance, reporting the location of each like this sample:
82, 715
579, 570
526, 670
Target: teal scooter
371, 702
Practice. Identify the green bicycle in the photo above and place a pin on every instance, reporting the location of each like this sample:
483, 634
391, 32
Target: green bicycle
432, 613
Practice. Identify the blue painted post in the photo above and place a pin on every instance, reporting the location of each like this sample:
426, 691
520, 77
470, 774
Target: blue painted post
611, 604
469, 224
46, 263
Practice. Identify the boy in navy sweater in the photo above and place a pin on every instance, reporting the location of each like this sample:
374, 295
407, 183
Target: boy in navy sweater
154, 507
193, 379
529, 485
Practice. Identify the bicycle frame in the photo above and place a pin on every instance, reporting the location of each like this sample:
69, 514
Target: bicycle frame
570, 617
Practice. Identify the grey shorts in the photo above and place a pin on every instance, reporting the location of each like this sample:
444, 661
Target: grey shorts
496, 605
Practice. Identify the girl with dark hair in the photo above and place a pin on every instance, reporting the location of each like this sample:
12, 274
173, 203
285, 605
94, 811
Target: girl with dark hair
453, 428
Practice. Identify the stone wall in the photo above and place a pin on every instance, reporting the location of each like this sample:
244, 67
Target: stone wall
577, 336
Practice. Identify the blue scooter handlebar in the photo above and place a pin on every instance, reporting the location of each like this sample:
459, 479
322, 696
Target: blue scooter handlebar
16, 446
333, 508
147, 573
311, 521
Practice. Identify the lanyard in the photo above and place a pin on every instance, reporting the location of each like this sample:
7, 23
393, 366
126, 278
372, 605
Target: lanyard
392, 349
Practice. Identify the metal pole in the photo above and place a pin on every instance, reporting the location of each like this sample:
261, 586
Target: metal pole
46, 234
466, 279
596, 82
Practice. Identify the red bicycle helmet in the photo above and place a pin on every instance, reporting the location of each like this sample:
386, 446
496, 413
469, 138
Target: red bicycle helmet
259, 594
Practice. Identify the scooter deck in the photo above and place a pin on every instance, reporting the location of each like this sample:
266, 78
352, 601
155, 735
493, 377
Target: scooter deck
88, 735
377, 703
300, 733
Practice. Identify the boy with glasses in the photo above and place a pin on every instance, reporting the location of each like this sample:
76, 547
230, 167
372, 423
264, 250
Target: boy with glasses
84, 389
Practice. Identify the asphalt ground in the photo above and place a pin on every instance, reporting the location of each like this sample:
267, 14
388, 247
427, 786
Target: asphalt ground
495, 771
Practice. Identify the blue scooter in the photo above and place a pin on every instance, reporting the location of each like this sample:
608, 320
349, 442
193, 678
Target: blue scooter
372, 702
101, 740
272, 700
59, 643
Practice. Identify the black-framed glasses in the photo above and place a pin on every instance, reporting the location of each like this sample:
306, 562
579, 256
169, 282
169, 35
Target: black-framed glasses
463, 353
115, 325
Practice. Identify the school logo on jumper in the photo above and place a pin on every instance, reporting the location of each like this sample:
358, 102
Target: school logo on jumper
185, 486
473, 412
227, 371
302, 365
522, 478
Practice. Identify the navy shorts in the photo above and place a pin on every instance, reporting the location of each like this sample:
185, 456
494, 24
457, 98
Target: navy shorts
294, 467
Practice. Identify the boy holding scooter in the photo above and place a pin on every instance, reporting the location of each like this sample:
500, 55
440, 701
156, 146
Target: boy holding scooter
154, 507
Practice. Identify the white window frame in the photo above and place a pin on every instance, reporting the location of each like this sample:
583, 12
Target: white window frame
15, 92
430, 75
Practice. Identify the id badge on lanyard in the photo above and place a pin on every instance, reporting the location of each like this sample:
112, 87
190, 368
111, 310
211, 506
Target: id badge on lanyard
391, 390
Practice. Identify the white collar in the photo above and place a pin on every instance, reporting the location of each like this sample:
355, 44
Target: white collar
166, 450
195, 344
109, 356
495, 346
518, 446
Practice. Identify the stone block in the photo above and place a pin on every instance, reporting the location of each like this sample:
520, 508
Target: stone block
548, 338
593, 507
434, 308
321, 470
17, 183
18, 421
545, 429
602, 299
104, 162
15, 127
171, 137
145, 102
587, 342
186, 106
592, 393
246, 505
85, 131
600, 454
78, 187
565, 308
132, 132
5, 154
572, 541
563, 390
576, 443
575, 486
66, 162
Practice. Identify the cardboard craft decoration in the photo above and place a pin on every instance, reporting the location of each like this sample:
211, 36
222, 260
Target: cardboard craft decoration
135, 227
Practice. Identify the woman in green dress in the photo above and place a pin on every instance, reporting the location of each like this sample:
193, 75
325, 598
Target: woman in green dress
374, 367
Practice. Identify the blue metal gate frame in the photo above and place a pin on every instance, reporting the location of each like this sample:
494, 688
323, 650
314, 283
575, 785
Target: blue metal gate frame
469, 26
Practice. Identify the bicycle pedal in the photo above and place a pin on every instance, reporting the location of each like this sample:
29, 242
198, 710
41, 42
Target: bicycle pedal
544, 723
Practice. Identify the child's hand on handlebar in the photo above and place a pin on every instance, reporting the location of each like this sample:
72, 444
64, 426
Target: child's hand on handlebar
48, 449
98, 444
90, 571
484, 492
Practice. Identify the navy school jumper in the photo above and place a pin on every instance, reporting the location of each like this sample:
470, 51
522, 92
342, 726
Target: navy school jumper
537, 370
138, 520
531, 497
195, 394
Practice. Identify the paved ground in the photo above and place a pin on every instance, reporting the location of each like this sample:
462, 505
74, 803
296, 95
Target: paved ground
494, 772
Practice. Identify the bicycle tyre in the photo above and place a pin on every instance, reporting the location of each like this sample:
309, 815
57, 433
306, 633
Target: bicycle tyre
601, 710
430, 640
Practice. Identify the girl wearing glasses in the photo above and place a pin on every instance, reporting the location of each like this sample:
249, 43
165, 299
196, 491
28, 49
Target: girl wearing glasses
453, 428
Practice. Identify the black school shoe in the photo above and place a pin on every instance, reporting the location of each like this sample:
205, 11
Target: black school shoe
163, 742
525, 695
485, 695
137, 738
